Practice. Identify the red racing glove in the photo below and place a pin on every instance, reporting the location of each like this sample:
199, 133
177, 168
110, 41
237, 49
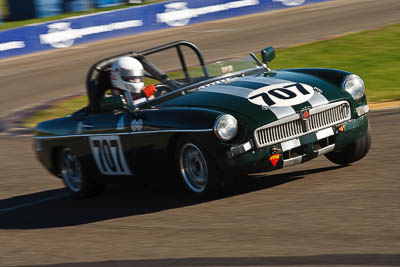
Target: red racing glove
149, 90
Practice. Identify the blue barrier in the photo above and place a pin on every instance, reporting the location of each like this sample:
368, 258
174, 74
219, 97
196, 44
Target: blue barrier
74, 31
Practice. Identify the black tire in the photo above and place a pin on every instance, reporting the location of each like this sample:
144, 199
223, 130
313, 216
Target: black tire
75, 176
352, 152
196, 169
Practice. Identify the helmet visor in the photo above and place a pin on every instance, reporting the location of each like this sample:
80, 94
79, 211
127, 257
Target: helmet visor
132, 79
130, 76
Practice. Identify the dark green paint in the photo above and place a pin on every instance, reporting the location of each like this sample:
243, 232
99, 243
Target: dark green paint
195, 110
268, 54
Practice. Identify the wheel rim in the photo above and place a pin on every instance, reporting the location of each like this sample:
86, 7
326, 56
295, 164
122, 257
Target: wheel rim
71, 170
193, 167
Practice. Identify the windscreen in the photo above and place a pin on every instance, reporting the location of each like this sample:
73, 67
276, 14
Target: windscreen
215, 69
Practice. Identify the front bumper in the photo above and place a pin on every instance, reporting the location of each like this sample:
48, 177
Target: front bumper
297, 150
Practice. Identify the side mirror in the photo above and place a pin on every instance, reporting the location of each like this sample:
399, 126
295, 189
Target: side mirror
268, 54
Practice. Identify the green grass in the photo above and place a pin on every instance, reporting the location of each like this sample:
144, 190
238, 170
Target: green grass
61, 109
374, 55
14, 24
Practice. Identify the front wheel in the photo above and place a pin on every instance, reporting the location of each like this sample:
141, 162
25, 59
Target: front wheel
198, 172
75, 177
352, 152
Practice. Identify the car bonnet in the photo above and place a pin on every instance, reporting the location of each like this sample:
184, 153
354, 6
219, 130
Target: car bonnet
262, 99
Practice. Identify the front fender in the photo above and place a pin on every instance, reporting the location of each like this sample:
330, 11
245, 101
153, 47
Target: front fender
328, 80
333, 76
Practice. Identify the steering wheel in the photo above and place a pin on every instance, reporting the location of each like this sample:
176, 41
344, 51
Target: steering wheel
162, 89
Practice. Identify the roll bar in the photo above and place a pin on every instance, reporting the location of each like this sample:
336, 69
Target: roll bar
97, 79
178, 45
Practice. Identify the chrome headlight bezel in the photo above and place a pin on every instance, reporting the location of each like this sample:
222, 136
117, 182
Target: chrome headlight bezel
226, 127
354, 85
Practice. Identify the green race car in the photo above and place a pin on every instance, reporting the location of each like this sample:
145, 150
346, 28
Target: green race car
208, 123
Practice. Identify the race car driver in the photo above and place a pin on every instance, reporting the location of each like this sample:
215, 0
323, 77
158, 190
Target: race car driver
127, 75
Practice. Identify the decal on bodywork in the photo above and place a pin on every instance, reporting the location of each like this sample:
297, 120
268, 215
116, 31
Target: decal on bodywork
108, 155
273, 94
137, 125
121, 125
281, 95
79, 127
274, 159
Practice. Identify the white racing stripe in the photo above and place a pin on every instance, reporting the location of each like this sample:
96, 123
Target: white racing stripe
229, 90
28, 204
282, 112
265, 80
318, 100
315, 101
279, 112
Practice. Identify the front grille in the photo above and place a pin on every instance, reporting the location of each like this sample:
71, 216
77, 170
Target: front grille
294, 126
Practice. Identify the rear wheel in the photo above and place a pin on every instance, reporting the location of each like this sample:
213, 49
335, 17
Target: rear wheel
197, 171
352, 152
75, 176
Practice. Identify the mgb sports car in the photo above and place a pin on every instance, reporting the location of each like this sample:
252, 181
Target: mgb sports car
207, 122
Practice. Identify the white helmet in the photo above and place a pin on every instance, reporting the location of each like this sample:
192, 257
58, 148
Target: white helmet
127, 74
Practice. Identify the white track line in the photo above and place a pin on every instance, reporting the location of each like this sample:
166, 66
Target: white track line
34, 203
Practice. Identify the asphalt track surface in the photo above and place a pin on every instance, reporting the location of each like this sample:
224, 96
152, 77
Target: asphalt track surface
315, 214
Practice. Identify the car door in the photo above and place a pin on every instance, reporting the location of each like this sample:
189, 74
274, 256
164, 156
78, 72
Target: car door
149, 137
108, 138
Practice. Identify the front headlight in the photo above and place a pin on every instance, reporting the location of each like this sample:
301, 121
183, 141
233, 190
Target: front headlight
226, 127
354, 85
